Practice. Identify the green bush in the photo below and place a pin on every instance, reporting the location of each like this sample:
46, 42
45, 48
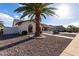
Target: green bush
1, 32
24, 32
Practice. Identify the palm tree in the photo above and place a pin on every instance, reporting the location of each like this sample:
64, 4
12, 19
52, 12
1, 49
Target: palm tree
36, 11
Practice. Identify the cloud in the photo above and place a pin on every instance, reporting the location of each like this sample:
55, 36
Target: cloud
25, 18
16, 17
7, 20
74, 23
19, 5
5, 16
66, 18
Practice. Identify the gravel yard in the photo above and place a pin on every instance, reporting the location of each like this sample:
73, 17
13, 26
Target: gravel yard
48, 46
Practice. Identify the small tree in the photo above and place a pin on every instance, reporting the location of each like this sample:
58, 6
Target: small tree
1, 28
72, 28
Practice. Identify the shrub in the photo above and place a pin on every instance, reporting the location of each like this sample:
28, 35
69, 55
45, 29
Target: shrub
24, 32
1, 32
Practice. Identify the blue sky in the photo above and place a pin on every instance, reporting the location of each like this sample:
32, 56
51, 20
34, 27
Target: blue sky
72, 18
7, 9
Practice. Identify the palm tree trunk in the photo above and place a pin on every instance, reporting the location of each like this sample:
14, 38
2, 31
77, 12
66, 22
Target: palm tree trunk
37, 21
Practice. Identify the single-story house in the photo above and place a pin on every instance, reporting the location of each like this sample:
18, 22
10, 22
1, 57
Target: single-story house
59, 28
28, 26
47, 27
19, 26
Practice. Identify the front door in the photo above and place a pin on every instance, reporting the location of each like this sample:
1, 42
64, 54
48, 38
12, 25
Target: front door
30, 28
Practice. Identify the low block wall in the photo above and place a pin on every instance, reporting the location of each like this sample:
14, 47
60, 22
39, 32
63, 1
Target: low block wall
10, 30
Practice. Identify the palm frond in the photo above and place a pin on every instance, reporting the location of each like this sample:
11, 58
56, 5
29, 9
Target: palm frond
43, 16
51, 12
24, 4
32, 16
30, 9
45, 4
20, 9
24, 14
52, 8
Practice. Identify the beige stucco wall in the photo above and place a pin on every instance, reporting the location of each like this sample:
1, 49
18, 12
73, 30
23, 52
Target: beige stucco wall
24, 26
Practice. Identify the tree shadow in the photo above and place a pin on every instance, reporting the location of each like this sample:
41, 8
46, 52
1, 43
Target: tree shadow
14, 44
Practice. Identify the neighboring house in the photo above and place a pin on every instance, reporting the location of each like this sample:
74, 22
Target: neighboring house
53, 28
59, 28
47, 27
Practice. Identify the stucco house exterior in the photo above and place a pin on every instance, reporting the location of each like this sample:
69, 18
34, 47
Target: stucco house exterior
59, 28
26, 25
47, 27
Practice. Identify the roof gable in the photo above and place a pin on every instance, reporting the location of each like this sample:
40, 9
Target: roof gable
20, 22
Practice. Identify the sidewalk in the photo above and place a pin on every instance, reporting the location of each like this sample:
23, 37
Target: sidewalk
73, 48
